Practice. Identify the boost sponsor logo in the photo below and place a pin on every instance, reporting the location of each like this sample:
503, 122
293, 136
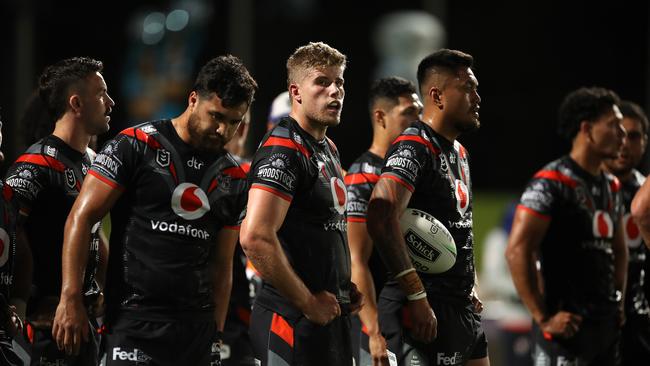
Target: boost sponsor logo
23, 184
135, 355
180, 229
402, 163
284, 178
109, 163
357, 207
444, 359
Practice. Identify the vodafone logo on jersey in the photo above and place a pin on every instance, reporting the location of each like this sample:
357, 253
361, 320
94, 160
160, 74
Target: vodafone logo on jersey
462, 197
5, 247
631, 232
602, 225
339, 194
189, 201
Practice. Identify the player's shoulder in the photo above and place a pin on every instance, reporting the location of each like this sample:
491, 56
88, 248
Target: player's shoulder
145, 133
559, 171
286, 135
613, 181
231, 167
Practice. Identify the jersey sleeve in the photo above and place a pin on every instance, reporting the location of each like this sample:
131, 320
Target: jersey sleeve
359, 186
406, 158
279, 166
541, 194
115, 163
28, 176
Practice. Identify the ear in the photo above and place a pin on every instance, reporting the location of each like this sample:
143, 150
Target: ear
435, 94
379, 116
585, 129
75, 103
193, 99
294, 92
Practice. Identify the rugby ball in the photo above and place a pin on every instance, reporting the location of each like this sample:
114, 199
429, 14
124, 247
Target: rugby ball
430, 245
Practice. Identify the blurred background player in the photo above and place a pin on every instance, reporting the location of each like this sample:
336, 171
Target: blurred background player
635, 341
176, 198
566, 250
13, 349
426, 168
393, 106
46, 179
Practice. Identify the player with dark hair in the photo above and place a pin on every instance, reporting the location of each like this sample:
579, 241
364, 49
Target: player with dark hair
426, 168
176, 199
566, 250
46, 180
393, 106
635, 341
294, 232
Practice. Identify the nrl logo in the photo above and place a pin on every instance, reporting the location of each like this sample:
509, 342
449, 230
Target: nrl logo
70, 179
162, 158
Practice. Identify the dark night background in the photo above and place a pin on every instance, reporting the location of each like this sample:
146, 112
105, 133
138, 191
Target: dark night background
528, 56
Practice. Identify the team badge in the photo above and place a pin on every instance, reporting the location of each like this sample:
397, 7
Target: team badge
163, 158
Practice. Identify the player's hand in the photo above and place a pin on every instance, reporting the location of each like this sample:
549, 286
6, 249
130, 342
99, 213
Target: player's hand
424, 322
356, 299
377, 345
322, 308
562, 324
478, 304
70, 325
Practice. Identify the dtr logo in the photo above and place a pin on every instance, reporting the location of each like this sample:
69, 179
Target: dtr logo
189, 201
5, 247
339, 194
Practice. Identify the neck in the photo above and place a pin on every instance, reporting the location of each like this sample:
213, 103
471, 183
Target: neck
622, 176
180, 125
438, 124
586, 160
380, 145
315, 129
71, 131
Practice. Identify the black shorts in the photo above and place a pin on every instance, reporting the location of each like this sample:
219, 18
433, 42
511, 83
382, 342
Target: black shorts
46, 352
595, 344
133, 342
460, 334
280, 341
236, 349
635, 343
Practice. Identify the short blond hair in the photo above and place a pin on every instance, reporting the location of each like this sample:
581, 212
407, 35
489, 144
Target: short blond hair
314, 55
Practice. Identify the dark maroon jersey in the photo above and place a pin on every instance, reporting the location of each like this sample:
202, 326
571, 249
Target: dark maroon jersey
635, 296
293, 165
7, 239
576, 253
359, 181
46, 180
175, 201
436, 171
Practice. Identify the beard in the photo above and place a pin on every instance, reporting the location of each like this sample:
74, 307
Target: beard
202, 140
467, 125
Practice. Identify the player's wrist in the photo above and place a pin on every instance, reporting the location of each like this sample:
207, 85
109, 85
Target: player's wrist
411, 284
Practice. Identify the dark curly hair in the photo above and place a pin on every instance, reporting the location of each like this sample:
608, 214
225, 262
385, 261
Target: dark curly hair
584, 104
634, 111
57, 80
227, 77
389, 88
